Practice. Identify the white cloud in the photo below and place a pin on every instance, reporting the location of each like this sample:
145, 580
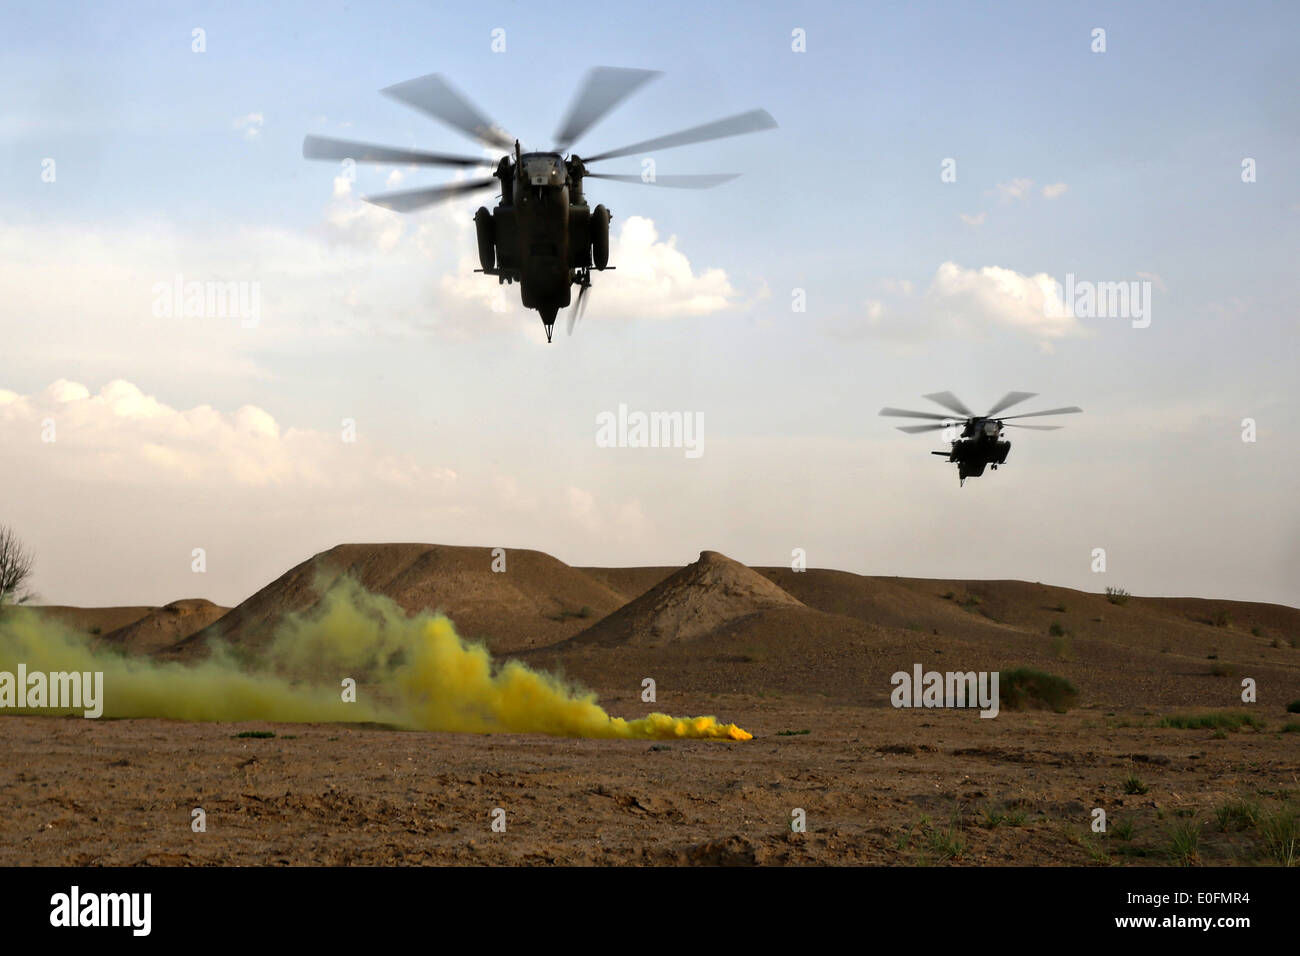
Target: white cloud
358, 223
655, 279
129, 485
587, 512
125, 435
1054, 190
975, 220
966, 302
994, 296
1155, 278
250, 124
1016, 189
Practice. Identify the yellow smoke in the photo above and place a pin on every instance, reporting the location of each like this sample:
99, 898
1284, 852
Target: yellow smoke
411, 672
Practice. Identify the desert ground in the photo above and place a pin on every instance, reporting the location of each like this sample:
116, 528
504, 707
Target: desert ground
1157, 734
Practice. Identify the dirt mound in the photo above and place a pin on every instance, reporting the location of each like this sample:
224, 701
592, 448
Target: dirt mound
888, 602
536, 599
164, 626
717, 626
697, 600
791, 650
93, 620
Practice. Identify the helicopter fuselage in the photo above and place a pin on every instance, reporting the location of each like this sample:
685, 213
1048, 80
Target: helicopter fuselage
542, 234
981, 445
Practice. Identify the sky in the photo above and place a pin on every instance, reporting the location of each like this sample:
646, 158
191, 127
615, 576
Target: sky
938, 171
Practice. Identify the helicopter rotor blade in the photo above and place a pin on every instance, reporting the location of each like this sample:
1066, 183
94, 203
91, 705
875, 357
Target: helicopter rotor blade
579, 307
684, 181
434, 96
409, 200
904, 413
1007, 400
603, 88
917, 429
1073, 409
324, 147
1040, 428
949, 400
741, 123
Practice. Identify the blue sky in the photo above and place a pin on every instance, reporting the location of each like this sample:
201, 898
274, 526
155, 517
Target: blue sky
1144, 143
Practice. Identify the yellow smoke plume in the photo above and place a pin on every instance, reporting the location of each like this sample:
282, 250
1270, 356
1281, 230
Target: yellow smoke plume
414, 672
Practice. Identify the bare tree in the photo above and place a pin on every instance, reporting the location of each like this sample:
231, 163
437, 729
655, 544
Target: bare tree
15, 568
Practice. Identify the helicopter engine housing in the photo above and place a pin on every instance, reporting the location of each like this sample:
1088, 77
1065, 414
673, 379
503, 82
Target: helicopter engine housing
486, 238
600, 237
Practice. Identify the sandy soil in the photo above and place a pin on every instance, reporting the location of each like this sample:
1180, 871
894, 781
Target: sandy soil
879, 786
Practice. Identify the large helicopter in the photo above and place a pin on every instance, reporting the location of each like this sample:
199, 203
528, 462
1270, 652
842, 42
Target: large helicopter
542, 234
980, 443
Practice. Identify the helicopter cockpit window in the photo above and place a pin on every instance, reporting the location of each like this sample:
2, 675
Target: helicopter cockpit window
543, 171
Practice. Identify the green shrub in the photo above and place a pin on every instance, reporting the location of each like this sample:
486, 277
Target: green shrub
1293, 707
947, 843
1279, 834
1184, 842
1056, 630
1218, 720
1022, 688
1241, 814
564, 614
1133, 785
1117, 595
993, 818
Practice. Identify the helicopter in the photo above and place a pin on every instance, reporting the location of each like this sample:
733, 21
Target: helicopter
542, 234
980, 443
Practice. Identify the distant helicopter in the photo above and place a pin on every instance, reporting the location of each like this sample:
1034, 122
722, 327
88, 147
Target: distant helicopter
980, 443
542, 234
